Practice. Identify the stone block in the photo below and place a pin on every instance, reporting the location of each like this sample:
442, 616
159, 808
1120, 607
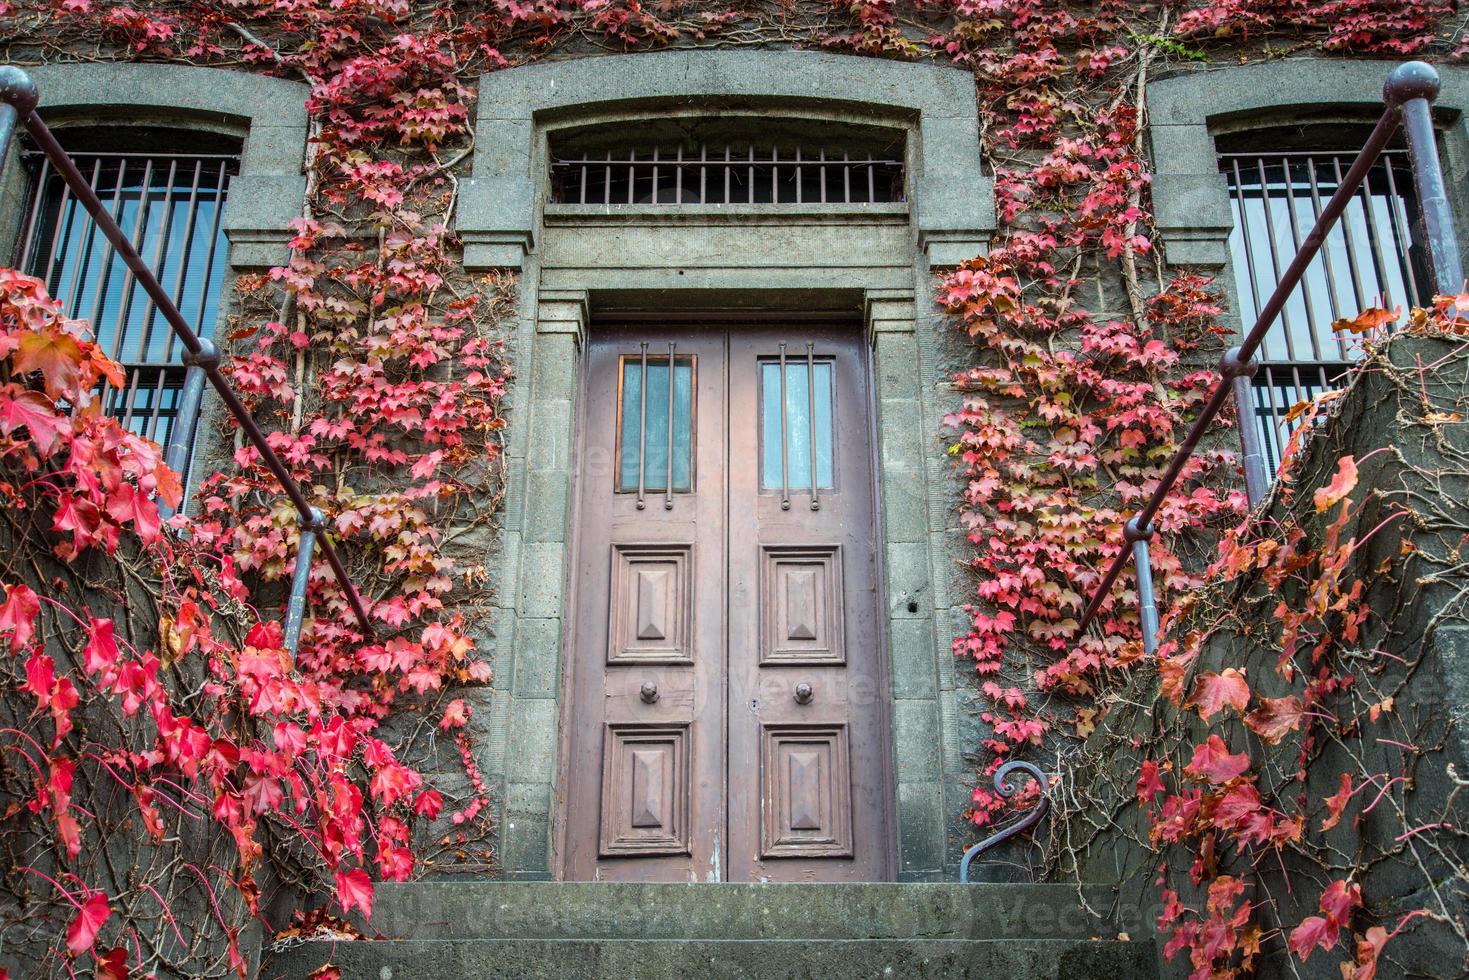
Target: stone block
1185, 149
489, 723
909, 592
546, 505
900, 433
263, 206
1206, 252
490, 253
920, 828
531, 745
950, 202
542, 579
904, 504
1192, 203
911, 658
274, 150
897, 366
551, 435
503, 144
952, 583
916, 740
950, 146
525, 837
555, 372
537, 658
507, 574
501, 203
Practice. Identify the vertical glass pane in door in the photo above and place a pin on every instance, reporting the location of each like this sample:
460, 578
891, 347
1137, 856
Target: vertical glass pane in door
643, 439
798, 416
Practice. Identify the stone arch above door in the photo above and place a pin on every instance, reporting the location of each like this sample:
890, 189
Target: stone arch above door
500, 206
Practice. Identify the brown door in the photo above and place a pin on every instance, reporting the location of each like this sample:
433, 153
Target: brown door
727, 713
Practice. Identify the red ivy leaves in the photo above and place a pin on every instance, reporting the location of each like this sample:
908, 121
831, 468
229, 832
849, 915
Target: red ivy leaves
1382, 27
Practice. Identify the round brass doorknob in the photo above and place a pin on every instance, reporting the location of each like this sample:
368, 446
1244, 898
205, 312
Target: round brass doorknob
804, 693
649, 693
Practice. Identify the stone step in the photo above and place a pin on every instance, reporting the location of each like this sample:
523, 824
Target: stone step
607, 910
613, 959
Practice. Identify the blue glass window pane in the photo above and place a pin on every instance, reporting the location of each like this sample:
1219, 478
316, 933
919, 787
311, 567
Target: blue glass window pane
798, 425
652, 434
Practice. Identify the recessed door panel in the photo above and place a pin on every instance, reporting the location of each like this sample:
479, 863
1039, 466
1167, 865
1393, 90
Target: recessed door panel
726, 613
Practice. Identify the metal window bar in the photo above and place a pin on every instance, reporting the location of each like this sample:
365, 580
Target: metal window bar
811, 422
1272, 194
752, 175
642, 423
160, 198
668, 459
18, 100
1408, 94
785, 478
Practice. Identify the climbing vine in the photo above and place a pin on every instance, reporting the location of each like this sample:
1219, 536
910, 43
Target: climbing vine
379, 368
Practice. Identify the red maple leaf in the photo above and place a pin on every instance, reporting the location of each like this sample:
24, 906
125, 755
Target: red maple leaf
1312, 932
18, 616
39, 416
58, 358
1341, 484
1275, 718
113, 965
101, 650
1213, 762
1150, 783
456, 715
1212, 692
1336, 803
1339, 898
355, 888
83, 930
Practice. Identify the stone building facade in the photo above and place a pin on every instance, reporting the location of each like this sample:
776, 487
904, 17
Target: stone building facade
865, 264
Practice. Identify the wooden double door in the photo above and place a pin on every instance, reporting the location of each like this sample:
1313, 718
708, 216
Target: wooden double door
727, 718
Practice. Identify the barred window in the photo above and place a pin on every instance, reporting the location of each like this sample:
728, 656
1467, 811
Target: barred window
717, 160
171, 205
1370, 259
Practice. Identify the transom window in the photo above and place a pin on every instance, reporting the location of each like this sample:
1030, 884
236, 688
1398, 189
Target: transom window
171, 205
1368, 260
718, 161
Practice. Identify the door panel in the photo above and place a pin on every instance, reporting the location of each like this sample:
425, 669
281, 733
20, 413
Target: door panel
807, 742
645, 783
725, 721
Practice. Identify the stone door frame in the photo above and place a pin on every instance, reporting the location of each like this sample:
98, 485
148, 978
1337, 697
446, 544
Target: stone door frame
869, 264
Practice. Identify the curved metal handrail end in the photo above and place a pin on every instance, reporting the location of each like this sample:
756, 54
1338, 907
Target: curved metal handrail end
1006, 790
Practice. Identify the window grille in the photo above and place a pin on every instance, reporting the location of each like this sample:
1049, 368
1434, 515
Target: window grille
1368, 260
171, 205
726, 174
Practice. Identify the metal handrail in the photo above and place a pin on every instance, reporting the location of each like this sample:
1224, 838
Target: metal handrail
18, 100
1408, 94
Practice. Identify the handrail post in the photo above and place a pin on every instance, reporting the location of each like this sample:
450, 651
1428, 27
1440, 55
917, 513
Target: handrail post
181, 437
1238, 372
1138, 536
18, 98
305, 550
1412, 87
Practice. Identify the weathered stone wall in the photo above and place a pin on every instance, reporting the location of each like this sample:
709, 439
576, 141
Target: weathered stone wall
1403, 714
